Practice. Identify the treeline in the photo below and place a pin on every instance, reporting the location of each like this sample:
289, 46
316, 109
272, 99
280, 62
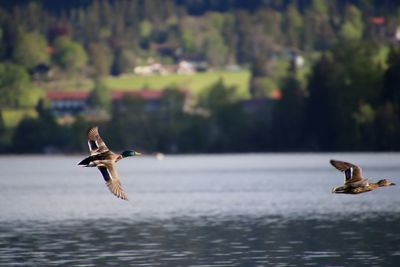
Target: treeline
348, 101
351, 103
106, 37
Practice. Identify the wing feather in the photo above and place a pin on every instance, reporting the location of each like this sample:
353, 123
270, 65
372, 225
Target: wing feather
112, 180
352, 173
95, 143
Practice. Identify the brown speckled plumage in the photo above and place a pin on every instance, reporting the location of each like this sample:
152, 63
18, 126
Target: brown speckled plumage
354, 182
104, 159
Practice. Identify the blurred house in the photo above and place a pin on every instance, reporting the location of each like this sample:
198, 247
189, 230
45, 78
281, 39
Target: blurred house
377, 27
153, 68
182, 67
41, 72
186, 67
151, 97
397, 34
65, 105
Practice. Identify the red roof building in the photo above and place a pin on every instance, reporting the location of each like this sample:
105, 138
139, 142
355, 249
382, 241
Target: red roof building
70, 103
377, 20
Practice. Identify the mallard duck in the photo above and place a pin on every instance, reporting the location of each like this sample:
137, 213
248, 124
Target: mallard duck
104, 159
354, 182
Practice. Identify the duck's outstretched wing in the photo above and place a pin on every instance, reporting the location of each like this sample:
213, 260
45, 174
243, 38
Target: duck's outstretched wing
352, 173
112, 180
96, 144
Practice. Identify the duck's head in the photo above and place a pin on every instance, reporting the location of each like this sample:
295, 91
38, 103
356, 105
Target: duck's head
385, 182
130, 153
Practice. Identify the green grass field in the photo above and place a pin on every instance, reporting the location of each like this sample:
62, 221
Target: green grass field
12, 117
195, 82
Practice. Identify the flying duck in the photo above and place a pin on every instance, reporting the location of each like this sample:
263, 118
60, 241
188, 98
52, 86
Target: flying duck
354, 182
104, 159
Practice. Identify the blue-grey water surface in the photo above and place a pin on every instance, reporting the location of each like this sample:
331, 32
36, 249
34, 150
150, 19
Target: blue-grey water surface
204, 210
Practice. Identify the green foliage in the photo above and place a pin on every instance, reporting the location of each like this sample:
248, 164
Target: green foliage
14, 82
31, 96
31, 50
100, 96
171, 120
124, 62
188, 43
218, 96
391, 90
319, 6
216, 50
288, 116
348, 76
352, 28
365, 115
263, 87
293, 25
131, 124
44, 134
272, 25
349, 97
68, 54
350, 32
388, 123
101, 59
319, 33
13, 117
145, 29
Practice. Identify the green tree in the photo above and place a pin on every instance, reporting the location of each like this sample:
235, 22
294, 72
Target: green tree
319, 34
100, 58
124, 62
14, 83
171, 120
126, 130
244, 44
352, 28
69, 55
391, 78
271, 20
287, 129
215, 49
44, 134
387, 121
388, 127
262, 87
364, 119
145, 30
187, 41
293, 26
319, 6
217, 96
100, 96
323, 125
341, 87
226, 128
31, 49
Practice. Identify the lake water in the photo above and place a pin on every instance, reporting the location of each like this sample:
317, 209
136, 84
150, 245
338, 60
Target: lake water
205, 210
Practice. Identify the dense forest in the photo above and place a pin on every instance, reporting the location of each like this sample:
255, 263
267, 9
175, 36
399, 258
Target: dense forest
336, 64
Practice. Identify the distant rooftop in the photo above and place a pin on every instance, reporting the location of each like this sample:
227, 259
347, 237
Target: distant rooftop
115, 94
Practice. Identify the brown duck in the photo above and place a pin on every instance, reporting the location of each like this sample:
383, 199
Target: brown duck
104, 159
354, 182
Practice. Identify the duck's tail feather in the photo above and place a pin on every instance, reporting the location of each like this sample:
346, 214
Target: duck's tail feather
86, 161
